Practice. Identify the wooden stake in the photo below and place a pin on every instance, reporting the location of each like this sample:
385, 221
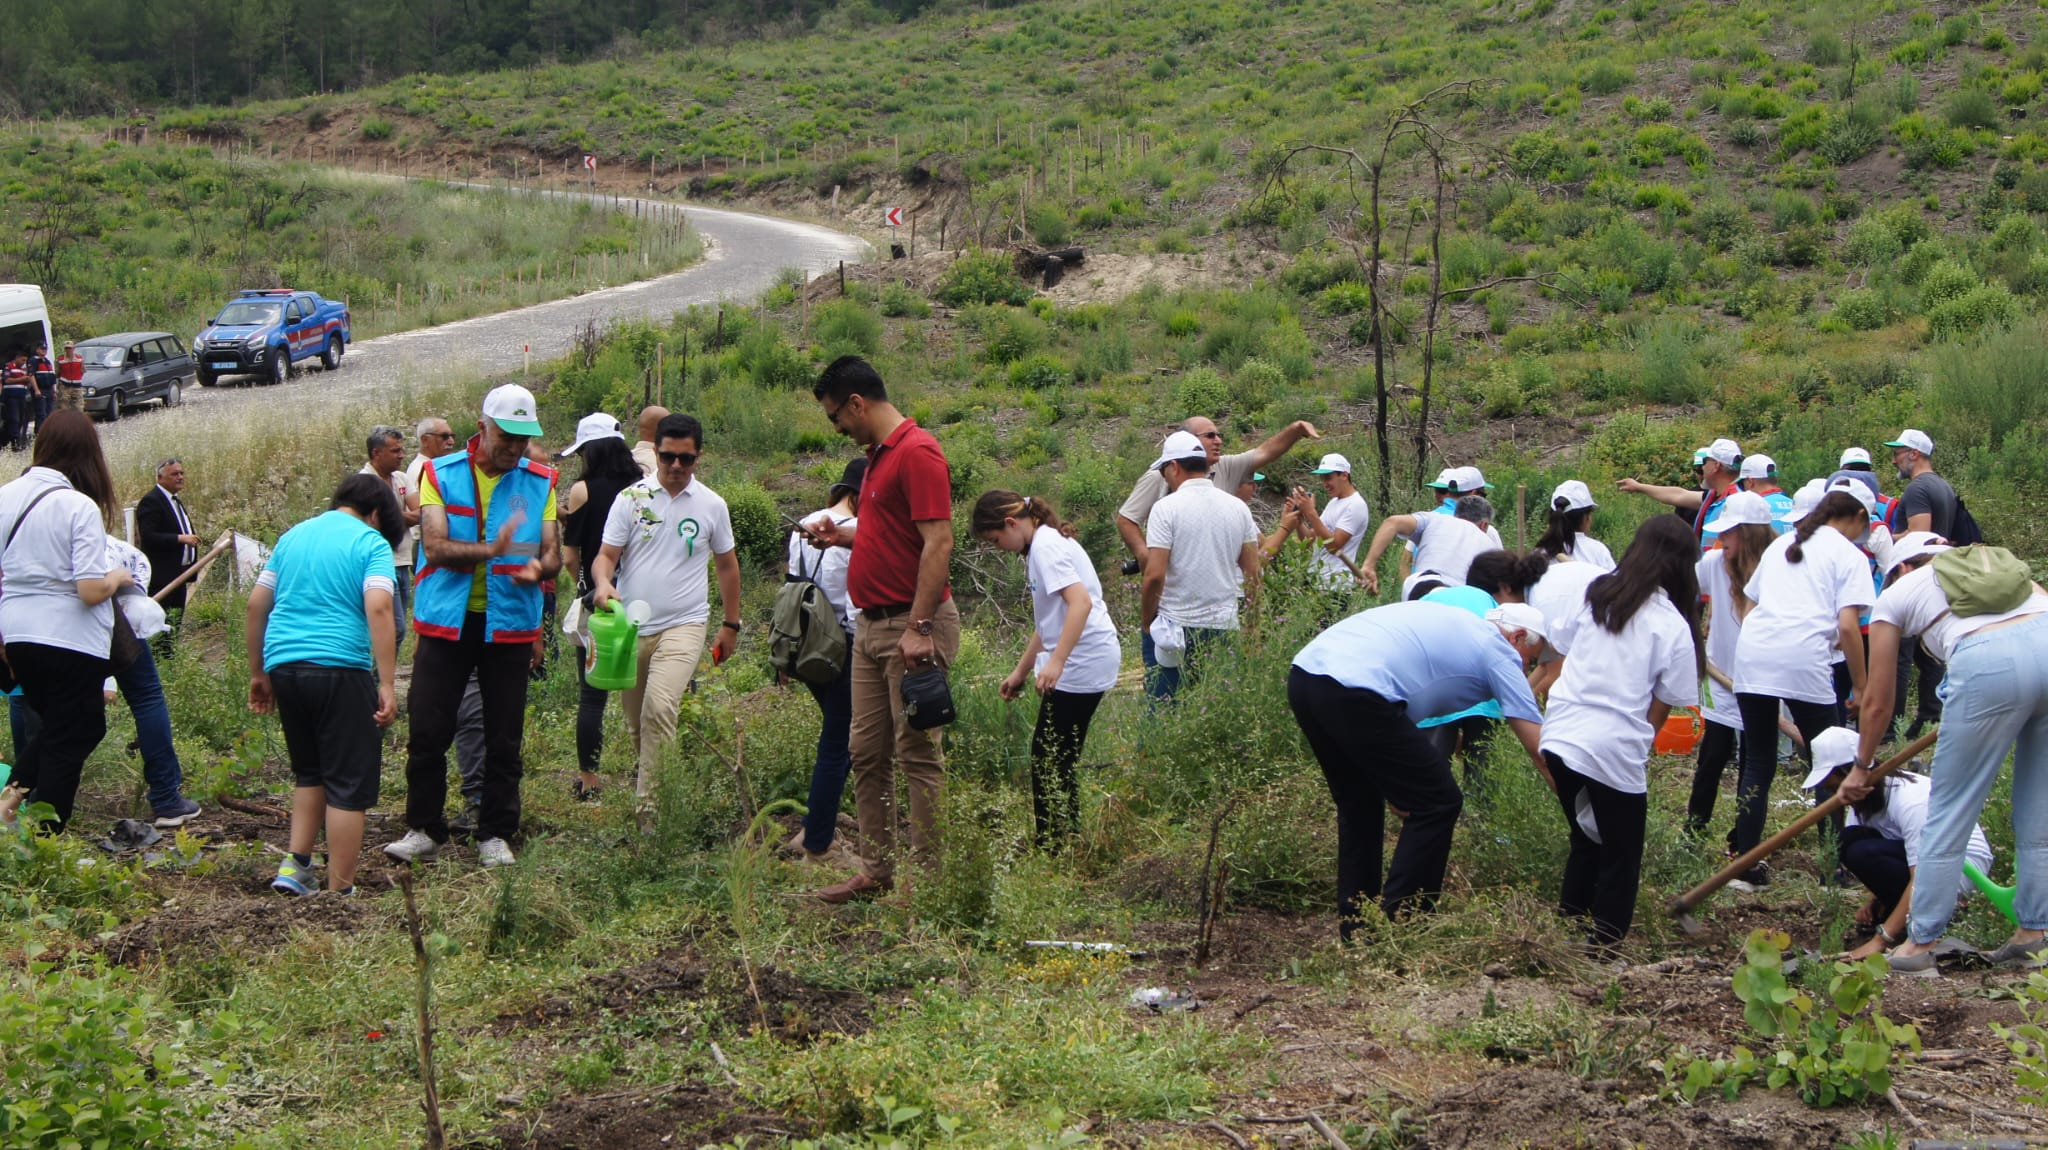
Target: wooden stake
423, 998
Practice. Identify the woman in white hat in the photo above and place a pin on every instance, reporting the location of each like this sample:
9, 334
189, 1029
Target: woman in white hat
1809, 589
1742, 532
1571, 514
1988, 621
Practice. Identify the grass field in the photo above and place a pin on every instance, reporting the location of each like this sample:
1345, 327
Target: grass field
125, 237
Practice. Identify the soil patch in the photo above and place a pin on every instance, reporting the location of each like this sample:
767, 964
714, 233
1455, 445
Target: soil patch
1548, 1108
250, 925
791, 1009
661, 1120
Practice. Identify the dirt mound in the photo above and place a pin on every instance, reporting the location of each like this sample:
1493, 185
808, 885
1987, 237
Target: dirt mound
1547, 1108
251, 925
662, 1120
791, 1009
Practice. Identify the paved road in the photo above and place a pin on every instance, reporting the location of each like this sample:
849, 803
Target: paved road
743, 253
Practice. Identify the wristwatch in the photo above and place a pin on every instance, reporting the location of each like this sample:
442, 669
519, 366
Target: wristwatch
729, 624
922, 626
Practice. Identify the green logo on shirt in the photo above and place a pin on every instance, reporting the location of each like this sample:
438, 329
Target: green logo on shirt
688, 529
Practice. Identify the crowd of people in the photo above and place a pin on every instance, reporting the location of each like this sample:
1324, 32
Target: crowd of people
1799, 616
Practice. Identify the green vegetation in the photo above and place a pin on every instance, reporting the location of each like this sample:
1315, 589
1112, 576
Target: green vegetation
124, 237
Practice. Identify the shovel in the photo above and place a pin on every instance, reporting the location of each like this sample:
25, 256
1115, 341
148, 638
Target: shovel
1683, 905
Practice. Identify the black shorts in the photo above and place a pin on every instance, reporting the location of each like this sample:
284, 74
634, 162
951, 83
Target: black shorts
329, 716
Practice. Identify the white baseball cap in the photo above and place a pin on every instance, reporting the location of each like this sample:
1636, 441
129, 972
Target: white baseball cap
1699, 456
1444, 478
1834, 747
1913, 545
512, 408
1861, 492
1575, 495
1805, 500
1178, 446
1469, 479
1914, 438
1725, 452
1758, 466
1333, 464
1741, 508
595, 426
1519, 617
1854, 455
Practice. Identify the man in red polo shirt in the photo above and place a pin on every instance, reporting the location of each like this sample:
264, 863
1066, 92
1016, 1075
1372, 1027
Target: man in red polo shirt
897, 577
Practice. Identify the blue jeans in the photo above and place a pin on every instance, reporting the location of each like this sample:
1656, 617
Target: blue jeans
400, 599
144, 692
1161, 682
1994, 699
828, 773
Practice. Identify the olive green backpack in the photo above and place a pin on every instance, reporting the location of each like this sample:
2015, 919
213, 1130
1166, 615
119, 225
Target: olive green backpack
1982, 580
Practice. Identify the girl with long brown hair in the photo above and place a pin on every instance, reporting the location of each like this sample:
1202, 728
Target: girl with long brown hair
1073, 656
1744, 531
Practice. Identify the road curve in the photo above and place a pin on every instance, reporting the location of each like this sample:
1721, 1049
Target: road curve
743, 253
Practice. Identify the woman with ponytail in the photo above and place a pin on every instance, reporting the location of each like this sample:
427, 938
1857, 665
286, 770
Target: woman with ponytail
1073, 657
1571, 513
1744, 529
1632, 652
1810, 589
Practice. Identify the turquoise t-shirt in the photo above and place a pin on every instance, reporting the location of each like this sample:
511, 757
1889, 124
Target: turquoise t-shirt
1479, 603
319, 572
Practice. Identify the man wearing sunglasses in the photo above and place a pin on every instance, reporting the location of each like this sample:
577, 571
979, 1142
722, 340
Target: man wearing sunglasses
661, 539
1229, 472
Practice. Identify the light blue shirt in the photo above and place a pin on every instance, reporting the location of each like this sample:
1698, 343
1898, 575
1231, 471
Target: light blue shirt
319, 572
1436, 658
1479, 603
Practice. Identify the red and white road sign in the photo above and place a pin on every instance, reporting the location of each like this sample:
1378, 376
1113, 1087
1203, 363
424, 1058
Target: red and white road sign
895, 217
590, 163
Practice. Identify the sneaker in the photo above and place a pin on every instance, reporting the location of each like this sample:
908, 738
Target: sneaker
495, 852
177, 814
463, 826
2028, 954
1752, 880
1914, 965
416, 846
293, 878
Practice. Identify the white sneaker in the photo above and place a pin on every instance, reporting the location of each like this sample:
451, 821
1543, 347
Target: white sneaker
416, 846
495, 852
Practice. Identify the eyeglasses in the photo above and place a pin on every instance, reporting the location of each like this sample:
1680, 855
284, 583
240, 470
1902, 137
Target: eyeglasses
832, 413
677, 458
1216, 435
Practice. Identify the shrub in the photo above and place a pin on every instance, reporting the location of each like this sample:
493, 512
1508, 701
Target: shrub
1945, 281
770, 361
1202, 391
375, 130
2021, 90
981, 278
1671, 369
1256, 383
1825, 50
1537, 156
1862, 310
1039, 372
1008, 335
1343, 299
1988, 388
899, 302
846, 327
1971, 108
1048, 224
1986, 308
756, 524
1606, 77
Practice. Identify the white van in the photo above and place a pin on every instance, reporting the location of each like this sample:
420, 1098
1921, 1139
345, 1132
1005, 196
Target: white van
24, 321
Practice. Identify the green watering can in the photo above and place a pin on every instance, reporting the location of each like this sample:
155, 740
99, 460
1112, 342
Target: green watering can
613, 660
2000, 896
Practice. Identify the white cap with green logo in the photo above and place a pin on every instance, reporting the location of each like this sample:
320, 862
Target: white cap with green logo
513, 409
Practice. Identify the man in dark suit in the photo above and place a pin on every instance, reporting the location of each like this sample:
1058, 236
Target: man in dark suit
165, 534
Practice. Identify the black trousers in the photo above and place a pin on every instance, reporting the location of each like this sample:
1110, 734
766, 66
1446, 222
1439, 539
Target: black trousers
440, 673
1719, 746
590, 703
62, 687
1469, 739
1760, 755
1927, 705
16, 409
1601, 878
1373, 755
1879, 864
1063, 719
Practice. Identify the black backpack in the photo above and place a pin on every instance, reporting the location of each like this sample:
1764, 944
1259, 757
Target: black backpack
1963, 531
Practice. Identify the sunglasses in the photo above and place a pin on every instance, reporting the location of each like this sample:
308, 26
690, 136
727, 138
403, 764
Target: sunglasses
677, 458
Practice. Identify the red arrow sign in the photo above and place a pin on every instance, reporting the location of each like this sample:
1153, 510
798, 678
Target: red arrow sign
895, 217
590, 162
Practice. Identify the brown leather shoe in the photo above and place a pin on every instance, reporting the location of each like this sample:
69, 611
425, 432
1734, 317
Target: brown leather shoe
859, 887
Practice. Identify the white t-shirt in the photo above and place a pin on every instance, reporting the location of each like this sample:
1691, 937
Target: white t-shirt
1559, 595
1053, 564
1905, 813
1206, 530
402, 485
826, 566
412, 479
1917, 605
1723, 629
62, 542
1589, 550
669, 542
1445, 546
1227, 474
1599, 716
1788, 642
1348, 514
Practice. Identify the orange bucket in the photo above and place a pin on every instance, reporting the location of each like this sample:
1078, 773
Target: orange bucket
1681, 732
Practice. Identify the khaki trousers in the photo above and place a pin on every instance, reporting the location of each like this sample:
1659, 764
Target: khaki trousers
880, 741
668, 661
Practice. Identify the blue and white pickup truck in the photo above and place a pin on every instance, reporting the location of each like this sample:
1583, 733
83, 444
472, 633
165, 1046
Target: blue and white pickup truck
267, 332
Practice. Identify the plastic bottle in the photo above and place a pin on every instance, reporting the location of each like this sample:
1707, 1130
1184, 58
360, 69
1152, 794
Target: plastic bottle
614, 663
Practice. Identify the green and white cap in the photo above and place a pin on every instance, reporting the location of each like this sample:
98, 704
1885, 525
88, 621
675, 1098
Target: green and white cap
1333, 464
512, 408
